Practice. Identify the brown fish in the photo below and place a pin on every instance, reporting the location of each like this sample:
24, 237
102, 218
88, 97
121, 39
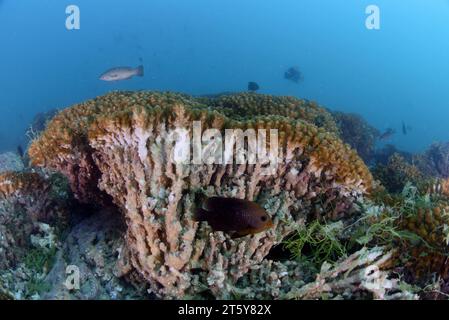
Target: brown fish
237, 217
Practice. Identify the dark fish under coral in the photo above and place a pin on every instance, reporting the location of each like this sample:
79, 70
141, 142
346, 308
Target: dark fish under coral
293, 74
253, 86
387, 134
237, 217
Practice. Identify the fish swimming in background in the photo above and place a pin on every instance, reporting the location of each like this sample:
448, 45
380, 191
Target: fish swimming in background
293, 74
253, 86
20, 151
404, 128
122, 73
387, 134
237, 217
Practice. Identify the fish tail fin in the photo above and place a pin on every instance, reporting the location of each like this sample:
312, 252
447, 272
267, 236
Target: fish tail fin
200, 214
140, 71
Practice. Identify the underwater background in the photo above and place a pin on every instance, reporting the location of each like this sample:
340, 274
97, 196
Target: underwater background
393, 75
94, 203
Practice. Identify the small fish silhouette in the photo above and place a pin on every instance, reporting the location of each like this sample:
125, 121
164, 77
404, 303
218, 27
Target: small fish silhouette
387, 134
406, 128
253, 86
20, 151
293, 74
238, 217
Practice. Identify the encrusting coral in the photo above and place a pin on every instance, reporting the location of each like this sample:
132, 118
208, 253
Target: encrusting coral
121, 145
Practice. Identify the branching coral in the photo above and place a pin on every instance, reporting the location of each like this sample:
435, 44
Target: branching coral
122, 143
360, 274
417, 226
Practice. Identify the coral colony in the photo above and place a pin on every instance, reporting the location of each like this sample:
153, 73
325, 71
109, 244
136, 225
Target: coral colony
145, 162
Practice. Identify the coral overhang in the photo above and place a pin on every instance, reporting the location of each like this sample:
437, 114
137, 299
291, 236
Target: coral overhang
119, 146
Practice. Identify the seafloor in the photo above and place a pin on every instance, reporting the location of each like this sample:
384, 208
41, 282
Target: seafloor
97, 208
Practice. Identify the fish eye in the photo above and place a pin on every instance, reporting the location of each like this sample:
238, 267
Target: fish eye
263, 218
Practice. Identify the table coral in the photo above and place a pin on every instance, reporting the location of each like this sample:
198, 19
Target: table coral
246, 105
119, 145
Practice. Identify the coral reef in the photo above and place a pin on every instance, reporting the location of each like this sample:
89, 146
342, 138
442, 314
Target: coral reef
64, 147
360, 276
365, 274
428, 256
416, 225
10, 161
38, 124
92, 246
41, 120
34, 253
358, 133
435, 161
242, 106
121, 149
29, 203
382, 155
397, 172
120, 145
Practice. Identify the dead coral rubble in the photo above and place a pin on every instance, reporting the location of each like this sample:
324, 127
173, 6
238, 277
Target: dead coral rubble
92, 246
360, 275
120, 145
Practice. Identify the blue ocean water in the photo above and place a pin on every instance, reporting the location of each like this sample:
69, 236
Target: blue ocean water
397, 73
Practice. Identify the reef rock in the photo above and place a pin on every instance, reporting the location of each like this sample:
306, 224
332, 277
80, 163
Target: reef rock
10, 161
435, 160
91, 249
30, 205
120, 146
